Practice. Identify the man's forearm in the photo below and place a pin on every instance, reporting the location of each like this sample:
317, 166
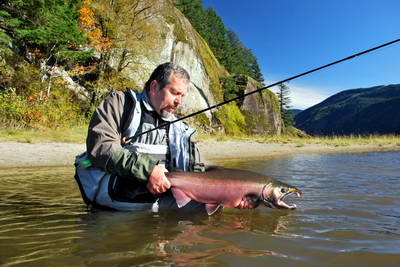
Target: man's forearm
131, 164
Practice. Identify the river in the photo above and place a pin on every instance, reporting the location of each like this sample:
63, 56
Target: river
349, 214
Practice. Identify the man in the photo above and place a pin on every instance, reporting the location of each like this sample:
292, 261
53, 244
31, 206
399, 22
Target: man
131, 175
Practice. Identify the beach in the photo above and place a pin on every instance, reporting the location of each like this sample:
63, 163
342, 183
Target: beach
15, 154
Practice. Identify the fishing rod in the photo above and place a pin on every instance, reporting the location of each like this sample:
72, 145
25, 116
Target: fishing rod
266, 87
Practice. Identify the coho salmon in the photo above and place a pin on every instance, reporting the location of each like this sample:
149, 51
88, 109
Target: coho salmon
224, 187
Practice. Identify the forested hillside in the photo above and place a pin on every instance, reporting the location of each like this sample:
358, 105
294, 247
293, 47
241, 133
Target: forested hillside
224, 43
359, 111
59, 58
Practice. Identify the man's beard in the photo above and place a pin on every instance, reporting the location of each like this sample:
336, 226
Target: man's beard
165, 114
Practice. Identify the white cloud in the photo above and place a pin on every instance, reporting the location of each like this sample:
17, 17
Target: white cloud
303, 97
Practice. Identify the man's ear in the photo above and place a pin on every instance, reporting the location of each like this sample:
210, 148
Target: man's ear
153, 87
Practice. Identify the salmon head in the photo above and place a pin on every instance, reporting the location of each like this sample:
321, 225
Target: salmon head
274, 193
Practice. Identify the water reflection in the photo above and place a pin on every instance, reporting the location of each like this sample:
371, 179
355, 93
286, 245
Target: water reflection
105, 237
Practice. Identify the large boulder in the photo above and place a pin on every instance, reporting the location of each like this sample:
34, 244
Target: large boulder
261, 109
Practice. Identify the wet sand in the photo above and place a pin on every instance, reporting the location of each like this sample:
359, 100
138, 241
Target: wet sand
14, 154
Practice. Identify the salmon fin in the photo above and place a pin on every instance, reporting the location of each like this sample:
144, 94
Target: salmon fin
181, 198
212, 208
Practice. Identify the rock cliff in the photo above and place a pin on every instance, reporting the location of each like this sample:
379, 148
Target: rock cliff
179, 42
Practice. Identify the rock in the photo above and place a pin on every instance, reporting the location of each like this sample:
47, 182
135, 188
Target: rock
261, 109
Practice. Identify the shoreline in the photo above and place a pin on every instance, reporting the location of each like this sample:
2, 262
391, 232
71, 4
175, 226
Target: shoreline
14, 154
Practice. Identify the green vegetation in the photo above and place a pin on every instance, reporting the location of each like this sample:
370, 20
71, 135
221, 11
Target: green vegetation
35, 112
37, 37
233, 121
46, 28
82, 37
299, 141
225, 44
75, 134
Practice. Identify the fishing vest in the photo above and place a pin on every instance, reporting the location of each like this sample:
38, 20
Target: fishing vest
172, 146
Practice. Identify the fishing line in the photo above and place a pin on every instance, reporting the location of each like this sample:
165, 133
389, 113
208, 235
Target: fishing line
266, 87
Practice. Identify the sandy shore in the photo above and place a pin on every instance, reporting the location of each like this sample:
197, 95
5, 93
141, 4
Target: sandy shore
13, 154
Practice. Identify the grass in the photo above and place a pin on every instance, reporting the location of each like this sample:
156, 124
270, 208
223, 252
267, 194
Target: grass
75, 134
379, 140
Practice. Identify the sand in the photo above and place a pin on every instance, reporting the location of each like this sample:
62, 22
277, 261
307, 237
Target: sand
13, 154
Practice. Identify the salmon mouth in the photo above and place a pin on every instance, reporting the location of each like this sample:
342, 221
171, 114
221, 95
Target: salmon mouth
278, 203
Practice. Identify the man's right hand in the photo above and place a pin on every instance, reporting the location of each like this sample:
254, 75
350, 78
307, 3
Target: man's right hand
158, 182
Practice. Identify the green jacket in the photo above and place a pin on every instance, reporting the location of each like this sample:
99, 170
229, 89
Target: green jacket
108, 124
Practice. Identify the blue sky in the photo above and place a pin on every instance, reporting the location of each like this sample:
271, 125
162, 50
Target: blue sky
289, 37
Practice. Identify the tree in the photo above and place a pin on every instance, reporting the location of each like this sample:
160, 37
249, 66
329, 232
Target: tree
89, 25
194, 11
126, 24
242, 60
50, 27
284, 101
225, 44
215, 34
46, 33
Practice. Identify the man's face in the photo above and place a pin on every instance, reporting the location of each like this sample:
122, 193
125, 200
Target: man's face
167, 100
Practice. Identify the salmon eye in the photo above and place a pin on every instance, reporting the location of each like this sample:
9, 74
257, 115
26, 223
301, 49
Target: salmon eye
283, 190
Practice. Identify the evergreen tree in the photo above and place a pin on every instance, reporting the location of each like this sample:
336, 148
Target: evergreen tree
215, 34
48, 27
284, 101
243, 61
224, 43
194, 11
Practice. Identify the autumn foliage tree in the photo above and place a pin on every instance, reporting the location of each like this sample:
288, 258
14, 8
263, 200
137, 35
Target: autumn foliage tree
124, 26
90, 26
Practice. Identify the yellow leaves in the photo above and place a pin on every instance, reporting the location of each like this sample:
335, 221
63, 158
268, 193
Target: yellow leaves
37, 53
98, 40
89, 24
86, 17
81, 70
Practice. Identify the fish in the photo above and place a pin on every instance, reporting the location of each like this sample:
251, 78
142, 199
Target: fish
224, 187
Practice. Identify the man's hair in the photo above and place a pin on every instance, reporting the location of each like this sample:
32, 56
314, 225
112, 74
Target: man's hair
163, 72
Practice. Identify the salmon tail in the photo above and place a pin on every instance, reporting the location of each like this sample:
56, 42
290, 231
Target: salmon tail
212, 208
181, 198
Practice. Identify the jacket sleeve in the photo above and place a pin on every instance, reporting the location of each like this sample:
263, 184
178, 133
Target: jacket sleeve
103, 143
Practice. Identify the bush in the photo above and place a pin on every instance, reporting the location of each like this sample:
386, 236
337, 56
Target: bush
56, 111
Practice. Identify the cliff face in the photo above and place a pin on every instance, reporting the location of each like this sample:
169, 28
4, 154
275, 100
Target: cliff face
261, 110
176, 40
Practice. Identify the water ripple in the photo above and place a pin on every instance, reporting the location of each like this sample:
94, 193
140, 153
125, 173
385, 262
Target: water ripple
349, 214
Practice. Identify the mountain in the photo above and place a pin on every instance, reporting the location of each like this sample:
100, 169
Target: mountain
358, 111
295, 111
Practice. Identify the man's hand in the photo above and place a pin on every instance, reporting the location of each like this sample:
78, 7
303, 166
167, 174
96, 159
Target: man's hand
247, 202
158, 182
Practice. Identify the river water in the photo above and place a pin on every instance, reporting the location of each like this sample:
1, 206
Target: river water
349, 215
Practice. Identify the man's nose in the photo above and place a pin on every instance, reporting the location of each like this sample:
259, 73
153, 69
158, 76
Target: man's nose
178, 100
